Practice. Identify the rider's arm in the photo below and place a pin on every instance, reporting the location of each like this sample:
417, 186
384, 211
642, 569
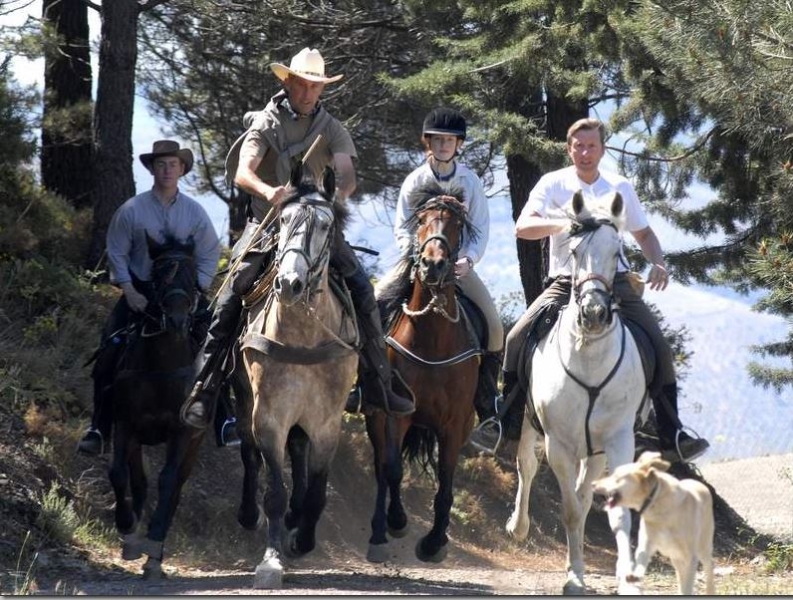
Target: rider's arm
345, 175
533, 226
249, 181
651, 248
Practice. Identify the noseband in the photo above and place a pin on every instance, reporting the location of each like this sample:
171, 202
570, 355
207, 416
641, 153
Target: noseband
606, 294
164, 290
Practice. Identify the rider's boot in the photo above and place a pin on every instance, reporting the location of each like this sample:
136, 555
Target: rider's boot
199, 407
506, 421
374, 371
675, 443
375, 378
96, 439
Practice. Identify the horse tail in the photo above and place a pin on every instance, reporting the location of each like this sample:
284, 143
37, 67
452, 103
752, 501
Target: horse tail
419, 447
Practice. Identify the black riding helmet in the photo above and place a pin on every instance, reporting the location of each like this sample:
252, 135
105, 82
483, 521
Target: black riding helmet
444, 121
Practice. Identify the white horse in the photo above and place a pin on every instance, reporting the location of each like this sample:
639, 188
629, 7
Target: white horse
587, 385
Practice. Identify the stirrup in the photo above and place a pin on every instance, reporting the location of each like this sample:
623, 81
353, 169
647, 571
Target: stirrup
678, 450
484, 429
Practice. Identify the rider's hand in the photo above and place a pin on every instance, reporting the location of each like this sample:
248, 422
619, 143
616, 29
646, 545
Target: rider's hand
277, 195
658, 277
463, 266
134, 298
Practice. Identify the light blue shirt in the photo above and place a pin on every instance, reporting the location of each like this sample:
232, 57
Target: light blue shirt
127, 249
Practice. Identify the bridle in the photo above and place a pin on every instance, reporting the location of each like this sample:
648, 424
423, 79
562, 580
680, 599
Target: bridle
306, 216
606, 292
164, 290
437, 302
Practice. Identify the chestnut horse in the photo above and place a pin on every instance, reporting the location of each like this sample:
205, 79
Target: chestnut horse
300, 354
430, 346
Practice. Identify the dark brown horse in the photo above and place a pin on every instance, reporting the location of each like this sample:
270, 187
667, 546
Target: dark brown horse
148, 391
431, 348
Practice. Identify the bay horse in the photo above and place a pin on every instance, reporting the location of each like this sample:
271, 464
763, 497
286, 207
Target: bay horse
150, 385
300, 353
587, 385
430, 347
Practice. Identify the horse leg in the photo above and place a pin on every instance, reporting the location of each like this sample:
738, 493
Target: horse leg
249, 514
119, 475
386, 444
297, 444
620, 451
269, 572
397, 517
181, 455
520, 520
564, 467
432, 547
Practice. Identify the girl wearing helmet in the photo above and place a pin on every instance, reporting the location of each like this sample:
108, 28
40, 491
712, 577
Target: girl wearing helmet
443, 133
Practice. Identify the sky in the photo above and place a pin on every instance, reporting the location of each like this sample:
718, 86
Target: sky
717, 401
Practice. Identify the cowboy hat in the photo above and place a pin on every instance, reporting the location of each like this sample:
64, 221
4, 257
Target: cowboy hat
168, 148
307, 64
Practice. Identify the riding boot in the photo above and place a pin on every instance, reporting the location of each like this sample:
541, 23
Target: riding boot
199, 407
675, 443
96, 440
486, 396
374, 371
505, 418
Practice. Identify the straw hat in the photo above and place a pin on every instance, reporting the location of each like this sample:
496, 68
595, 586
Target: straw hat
307, 64
168, 148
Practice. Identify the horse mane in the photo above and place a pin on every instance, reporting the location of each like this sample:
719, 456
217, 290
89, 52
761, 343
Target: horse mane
341, 213
392, 295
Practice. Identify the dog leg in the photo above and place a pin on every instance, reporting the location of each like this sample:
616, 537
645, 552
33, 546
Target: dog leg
707, 568
644, 552
686, 574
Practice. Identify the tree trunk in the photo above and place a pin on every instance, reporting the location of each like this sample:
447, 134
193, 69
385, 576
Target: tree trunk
66, 146
115, 96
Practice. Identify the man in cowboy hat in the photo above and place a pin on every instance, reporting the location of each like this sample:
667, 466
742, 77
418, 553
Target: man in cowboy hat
159, 212
260, 162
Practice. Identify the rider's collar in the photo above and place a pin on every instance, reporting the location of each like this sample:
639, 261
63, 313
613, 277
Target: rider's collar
293, 113
440, 177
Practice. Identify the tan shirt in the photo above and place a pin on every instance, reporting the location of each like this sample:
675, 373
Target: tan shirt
335, 139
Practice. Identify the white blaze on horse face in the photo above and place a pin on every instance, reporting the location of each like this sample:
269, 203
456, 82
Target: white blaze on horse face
301, 257
595, 265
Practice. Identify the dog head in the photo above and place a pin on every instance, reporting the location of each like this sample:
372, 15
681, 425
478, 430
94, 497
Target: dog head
630, 485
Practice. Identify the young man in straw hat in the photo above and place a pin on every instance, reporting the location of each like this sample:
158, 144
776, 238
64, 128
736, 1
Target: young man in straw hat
260, 162
159, 212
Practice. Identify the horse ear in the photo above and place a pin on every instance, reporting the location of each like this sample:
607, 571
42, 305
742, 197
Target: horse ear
329, 181
152, 244
578, 202
297, 175
617, 205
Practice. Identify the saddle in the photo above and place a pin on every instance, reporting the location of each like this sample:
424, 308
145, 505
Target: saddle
542, 325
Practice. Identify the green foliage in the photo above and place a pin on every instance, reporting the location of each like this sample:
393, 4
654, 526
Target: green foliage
57, 518
780, 557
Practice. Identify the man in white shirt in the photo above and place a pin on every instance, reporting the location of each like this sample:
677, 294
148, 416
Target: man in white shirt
544, 215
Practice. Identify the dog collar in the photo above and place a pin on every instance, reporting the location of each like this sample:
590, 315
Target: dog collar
647, 501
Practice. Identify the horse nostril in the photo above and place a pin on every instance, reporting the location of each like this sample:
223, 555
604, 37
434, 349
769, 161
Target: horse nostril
297, 288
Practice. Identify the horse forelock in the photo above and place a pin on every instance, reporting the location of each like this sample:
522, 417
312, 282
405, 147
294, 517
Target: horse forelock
341, 212
431, 196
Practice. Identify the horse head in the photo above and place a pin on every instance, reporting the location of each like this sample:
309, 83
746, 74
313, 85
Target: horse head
308, 220
439, 220
175, 283
595, 245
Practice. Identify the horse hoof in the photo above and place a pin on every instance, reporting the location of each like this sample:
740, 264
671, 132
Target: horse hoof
398, 533
131, 547
574, 587
291, 548
437, 557
269, 574
377, 553
517, 529
153, 569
